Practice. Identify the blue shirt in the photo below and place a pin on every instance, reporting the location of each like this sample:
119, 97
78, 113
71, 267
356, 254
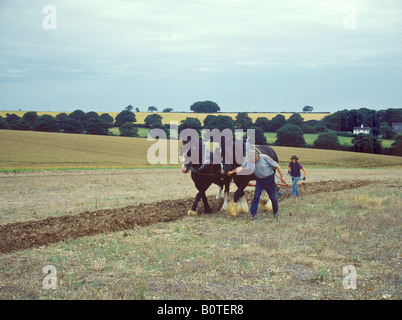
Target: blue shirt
263, 168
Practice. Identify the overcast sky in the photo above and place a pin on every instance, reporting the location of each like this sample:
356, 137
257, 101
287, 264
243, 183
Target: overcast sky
246, 55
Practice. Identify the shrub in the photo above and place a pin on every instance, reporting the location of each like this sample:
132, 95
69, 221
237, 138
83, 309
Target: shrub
327, 140
128, 130
366, 143
260, 138
262, 123
4, 124
396, 147
123, 117
97, 126
46, 123
70, 125
291, 136
221, 123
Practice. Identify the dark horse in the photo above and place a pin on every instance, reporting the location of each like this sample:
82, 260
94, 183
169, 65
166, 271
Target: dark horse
239, 204
204, 174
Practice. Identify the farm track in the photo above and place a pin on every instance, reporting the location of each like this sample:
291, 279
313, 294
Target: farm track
24, 235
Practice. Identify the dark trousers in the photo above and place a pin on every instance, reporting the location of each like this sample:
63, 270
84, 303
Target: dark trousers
268, 184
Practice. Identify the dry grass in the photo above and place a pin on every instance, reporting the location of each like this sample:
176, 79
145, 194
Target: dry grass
212, 257
42, 150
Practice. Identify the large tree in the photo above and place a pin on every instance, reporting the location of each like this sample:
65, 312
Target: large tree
20, 124
92, 114
260, 138
61, 116
79, 115
128, 130
291, 136
221, 122
190, 123
70, 125
295, 119
97, 126
277, 122
123, 117
153, 120
327, 140
262, 123
4, 124
308, 109
108, 118
30, 117
205, 107
367, 143
46, 123
243, 121
396, 147
386, 131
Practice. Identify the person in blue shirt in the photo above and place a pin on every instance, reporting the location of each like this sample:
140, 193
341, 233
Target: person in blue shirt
294, 168
264, 172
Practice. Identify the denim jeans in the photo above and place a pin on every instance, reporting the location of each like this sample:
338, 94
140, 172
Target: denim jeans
295, 190
268, 184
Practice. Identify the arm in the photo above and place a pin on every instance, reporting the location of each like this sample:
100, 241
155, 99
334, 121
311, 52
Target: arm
281, 173
237, 170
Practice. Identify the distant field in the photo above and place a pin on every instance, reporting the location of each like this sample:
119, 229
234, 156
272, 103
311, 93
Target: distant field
41, 150
178, 116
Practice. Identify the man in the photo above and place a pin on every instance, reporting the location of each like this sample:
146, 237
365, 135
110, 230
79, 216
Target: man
264, 168
294, 167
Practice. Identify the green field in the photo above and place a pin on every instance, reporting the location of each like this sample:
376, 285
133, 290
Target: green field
42, 150
310, 137
271, 137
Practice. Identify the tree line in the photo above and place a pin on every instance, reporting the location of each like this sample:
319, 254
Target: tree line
290, 132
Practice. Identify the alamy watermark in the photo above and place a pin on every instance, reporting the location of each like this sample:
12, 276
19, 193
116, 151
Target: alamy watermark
50, 280
195, 150
350, 281
349, 22
49, 21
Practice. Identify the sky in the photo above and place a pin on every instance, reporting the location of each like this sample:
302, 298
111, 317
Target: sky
245, 55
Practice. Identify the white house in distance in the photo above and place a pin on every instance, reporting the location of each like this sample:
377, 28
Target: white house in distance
361, 129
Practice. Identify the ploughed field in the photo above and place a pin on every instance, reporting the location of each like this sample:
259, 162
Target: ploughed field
125, 234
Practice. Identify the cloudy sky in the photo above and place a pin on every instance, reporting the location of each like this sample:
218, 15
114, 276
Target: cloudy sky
246, 55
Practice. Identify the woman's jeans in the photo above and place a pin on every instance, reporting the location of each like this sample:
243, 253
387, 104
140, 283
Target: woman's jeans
295, 190
268, 184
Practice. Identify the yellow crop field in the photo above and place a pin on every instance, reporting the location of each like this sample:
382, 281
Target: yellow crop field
178, 116
43, 150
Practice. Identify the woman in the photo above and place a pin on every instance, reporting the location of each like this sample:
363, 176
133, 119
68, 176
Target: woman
294, 168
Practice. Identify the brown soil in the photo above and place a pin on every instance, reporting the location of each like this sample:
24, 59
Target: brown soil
24, 235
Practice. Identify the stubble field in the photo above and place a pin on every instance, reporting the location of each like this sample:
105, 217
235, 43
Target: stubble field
344, 217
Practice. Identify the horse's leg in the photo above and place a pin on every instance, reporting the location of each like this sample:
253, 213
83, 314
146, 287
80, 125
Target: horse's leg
207, 208
202, 187
219, 195
226, 194
236, 206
